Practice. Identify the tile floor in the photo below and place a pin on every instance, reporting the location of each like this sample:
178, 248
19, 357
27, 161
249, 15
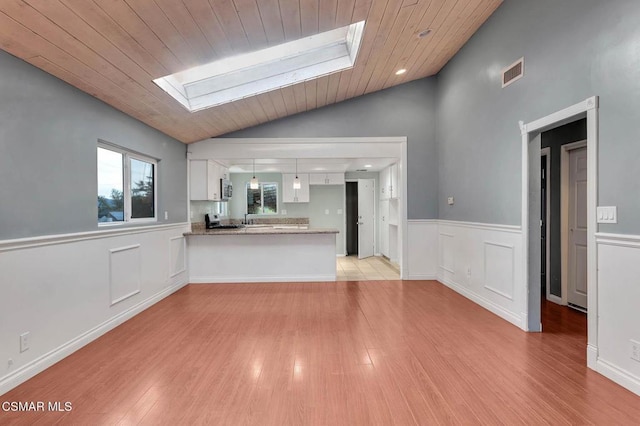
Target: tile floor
350, 268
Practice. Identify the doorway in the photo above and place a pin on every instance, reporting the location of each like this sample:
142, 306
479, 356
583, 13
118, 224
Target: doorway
361, 226
556, 144
352, 217
531, 208
545, 166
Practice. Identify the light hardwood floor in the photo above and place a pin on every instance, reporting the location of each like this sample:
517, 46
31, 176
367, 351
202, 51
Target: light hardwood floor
338, 353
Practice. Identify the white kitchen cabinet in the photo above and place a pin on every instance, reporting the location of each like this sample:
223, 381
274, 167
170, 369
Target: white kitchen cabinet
384, 184
290, 195
384, 227
394, 189
326, 179
389, 183
205, 178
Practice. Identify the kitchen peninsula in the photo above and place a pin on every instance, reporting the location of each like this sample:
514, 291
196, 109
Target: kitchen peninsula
262, 253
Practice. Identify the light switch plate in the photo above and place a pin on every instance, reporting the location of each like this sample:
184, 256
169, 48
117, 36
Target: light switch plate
450, 201
339, 211
607, 214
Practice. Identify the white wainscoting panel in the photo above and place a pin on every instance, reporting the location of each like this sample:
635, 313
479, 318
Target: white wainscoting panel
618, 307
484, 263
447, 252
499, 269
423, 250
178, 255
59, 288
124, 272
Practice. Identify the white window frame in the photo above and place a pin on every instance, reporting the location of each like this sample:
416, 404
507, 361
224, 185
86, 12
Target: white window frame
246, 205
127, 155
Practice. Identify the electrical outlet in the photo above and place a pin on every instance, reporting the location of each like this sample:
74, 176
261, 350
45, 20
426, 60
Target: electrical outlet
326, 211
450, 201
24, 341
166, 215
635, 350
10, 363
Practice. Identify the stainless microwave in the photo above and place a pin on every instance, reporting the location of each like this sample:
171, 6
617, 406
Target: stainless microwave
226, 189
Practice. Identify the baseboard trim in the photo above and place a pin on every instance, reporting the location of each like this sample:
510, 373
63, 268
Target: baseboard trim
554, 299
421, 277
592, 357
40, 364
618, 375
485, 303
266, 279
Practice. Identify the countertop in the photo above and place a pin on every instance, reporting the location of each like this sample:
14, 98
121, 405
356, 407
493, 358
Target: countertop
262, 230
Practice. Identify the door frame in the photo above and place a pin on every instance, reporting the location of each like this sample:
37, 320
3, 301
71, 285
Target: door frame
564, 213
546, 152
531, 135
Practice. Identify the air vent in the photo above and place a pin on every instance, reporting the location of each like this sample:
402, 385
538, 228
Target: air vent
513, 72
362, 170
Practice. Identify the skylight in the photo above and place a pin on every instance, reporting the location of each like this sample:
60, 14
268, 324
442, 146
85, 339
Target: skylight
250, 74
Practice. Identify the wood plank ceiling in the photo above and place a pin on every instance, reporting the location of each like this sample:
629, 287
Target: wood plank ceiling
113, 49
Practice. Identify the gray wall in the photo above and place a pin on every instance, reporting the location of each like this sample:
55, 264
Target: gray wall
554, 139
573, 49
406, 110
332, 198
48, 136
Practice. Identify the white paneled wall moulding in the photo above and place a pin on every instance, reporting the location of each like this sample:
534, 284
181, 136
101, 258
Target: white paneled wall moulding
124, 273
178, 255
447, 256
47, 240
499, 271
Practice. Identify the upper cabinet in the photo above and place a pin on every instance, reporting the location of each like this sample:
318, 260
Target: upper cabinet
389, 183
290, 195
205, 178
326, 179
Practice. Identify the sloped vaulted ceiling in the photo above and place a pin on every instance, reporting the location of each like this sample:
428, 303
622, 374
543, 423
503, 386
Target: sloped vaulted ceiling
114, 49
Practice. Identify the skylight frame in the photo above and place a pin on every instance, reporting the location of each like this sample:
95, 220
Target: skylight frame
253, 73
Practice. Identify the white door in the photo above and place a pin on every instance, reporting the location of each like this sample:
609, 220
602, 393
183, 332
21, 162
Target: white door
577, 285
366, 226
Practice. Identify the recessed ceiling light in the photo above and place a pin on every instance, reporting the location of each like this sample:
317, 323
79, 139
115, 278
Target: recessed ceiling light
368, 165
424, 33
401, 71
249, 74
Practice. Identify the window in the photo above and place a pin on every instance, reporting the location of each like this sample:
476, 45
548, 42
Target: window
252, 73
263, 200
126, 186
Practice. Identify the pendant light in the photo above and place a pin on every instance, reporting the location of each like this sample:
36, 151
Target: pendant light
254, 184
296, 181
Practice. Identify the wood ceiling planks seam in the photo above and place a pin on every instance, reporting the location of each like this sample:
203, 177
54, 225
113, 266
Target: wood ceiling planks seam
113, 49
